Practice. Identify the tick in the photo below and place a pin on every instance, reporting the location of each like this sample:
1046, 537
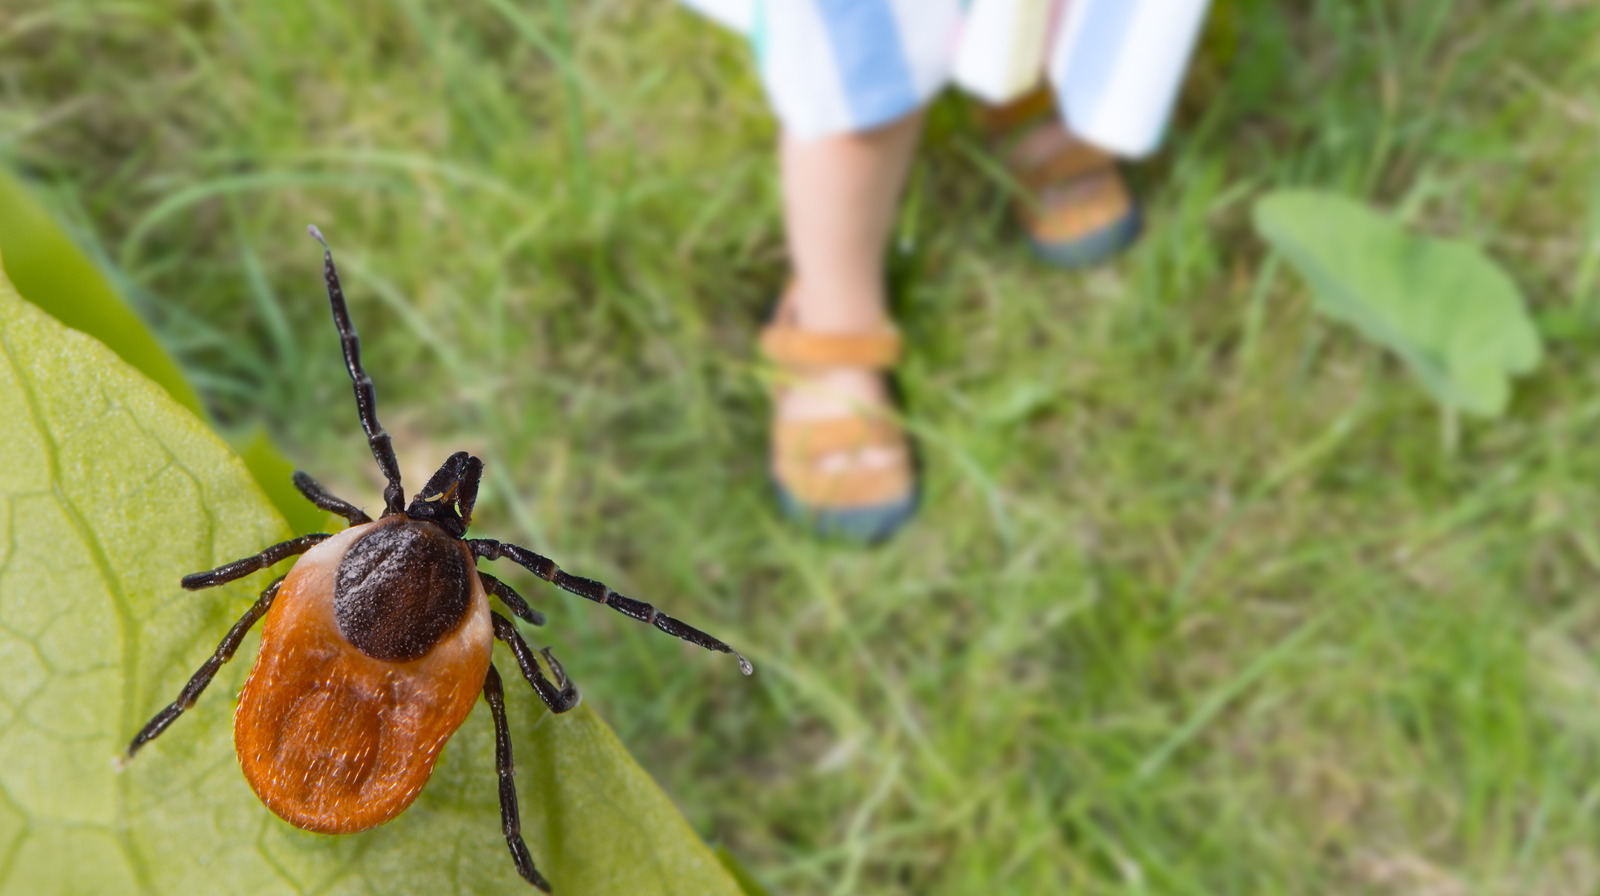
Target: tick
376, 644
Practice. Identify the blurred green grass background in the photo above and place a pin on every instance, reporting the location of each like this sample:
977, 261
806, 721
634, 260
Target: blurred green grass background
1200, 600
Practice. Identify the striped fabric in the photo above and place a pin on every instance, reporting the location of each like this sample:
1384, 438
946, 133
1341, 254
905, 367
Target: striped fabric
836, 66
851, 65
832, 66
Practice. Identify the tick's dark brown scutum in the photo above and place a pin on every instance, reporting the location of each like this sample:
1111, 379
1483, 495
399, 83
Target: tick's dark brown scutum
401, 588
376, 645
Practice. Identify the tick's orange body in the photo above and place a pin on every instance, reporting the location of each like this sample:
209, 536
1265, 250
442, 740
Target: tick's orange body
331, 739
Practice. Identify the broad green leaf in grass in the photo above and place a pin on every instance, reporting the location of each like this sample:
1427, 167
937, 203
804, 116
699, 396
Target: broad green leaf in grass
53, 273
109, 491
1443, 306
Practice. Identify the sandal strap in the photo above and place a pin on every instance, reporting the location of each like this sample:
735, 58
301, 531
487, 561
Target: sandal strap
798, 446
806, 439
1010, 123
846, 490
1068, 212
785, 344
1075, 161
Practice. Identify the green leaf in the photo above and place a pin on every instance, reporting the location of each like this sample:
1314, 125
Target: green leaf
54, 274
109, 491
1443, 306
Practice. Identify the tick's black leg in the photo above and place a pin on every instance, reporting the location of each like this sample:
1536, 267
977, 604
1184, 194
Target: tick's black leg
546, 569
562, 695
320, 496
495, 696
511, 599
198, 682
394, 500
238, 569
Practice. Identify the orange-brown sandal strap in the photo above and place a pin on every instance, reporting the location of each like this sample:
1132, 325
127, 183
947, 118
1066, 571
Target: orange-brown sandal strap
788, 345
1075, 161
846, 489
799, 444
819, 438
1067, 212
1012, 122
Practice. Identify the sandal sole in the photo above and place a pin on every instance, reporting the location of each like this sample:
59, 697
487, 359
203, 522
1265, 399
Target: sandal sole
1092, 248
864, 525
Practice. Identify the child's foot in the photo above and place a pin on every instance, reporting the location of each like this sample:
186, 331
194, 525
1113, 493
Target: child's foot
1074, 205
1075, 209
840, 462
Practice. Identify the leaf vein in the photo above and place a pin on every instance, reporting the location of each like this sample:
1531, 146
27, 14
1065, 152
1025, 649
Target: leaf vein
101, 561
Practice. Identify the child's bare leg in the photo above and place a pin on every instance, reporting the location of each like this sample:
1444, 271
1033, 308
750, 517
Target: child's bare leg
840, 195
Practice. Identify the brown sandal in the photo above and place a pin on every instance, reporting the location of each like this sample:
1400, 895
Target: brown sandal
858, 504
1074, 205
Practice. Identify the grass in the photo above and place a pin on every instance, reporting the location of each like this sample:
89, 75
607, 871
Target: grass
1201, 599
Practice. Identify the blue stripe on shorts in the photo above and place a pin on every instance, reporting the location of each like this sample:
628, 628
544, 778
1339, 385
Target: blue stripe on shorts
872, 66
